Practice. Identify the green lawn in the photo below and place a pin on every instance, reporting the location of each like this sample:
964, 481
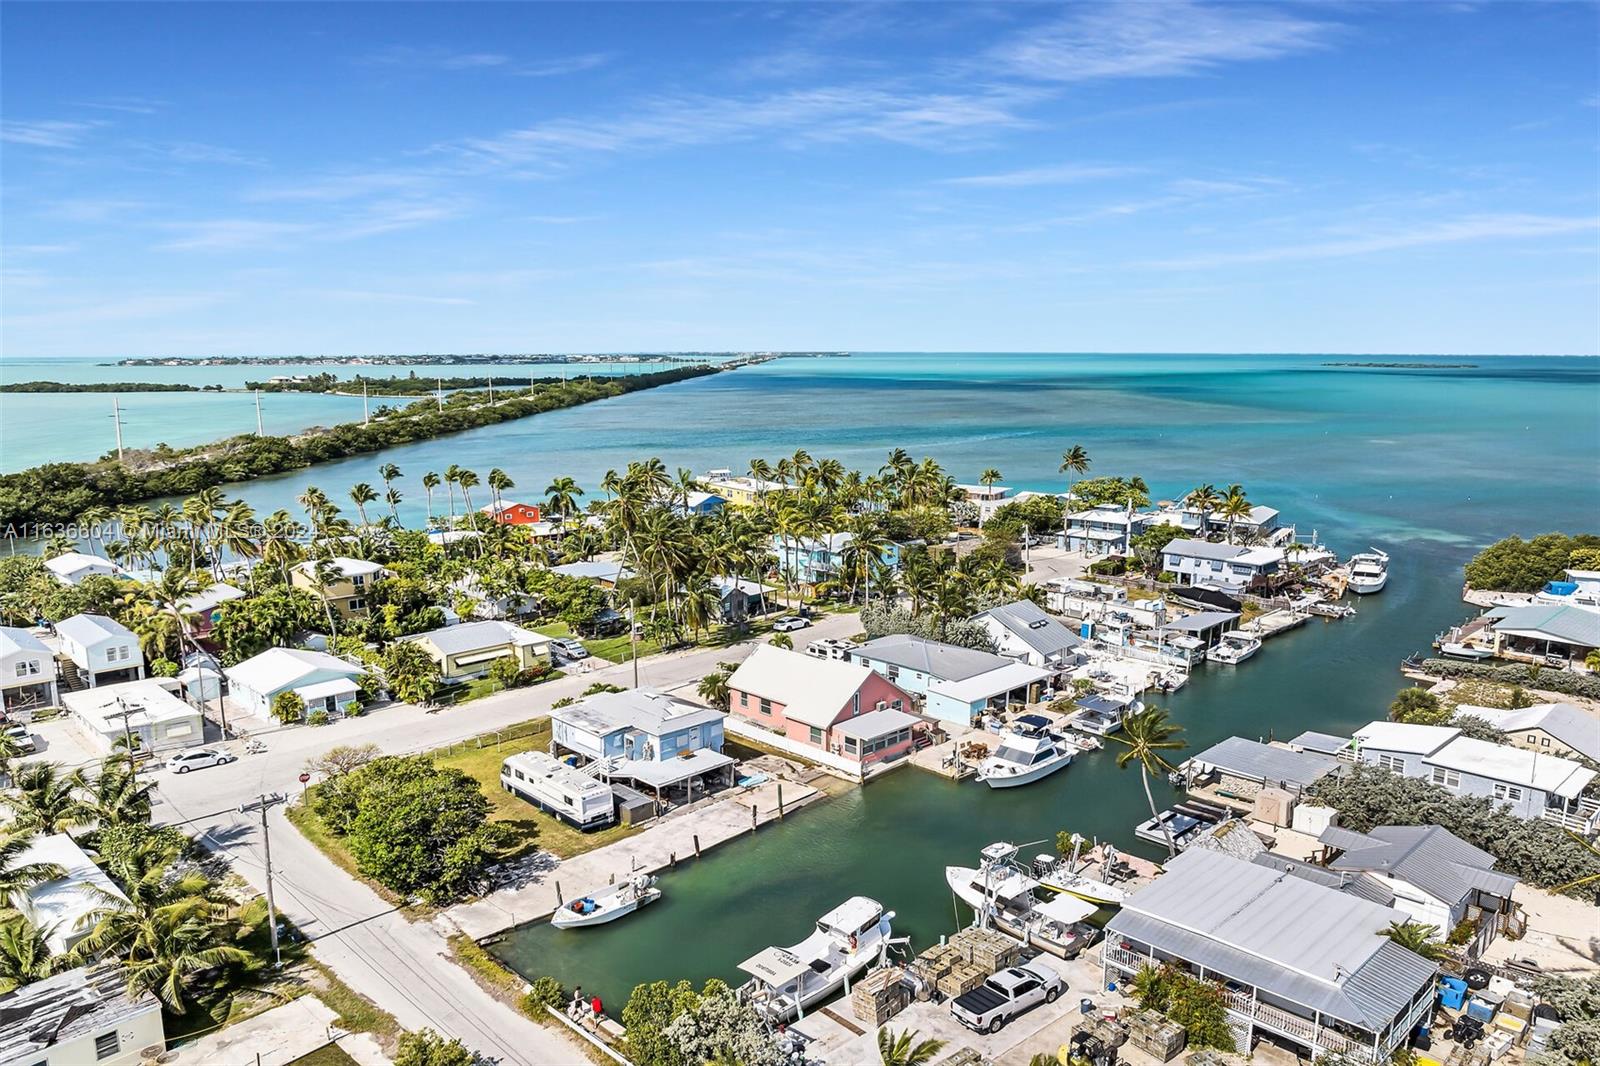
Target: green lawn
327, 1055
615, 649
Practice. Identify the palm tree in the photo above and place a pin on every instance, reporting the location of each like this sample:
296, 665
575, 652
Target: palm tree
989, 477
361, 494
499, 482
468, 480
45, 799
117, 796
16, 878
1235, 505
1147, 734
782, 640
392, 497
713, 687
24, 953
904, 1049
167, 946
701, 605
451, 474
562, 496
430, 481
1203, 498
390, 474
1416, 937
1075, 461
279, 549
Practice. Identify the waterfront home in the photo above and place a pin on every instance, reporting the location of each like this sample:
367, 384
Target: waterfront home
742, 598
1104, 530
1525, 783
1082, 599
468, 650
512, 512
1542, 633
348, 587
987, 498
98, 651
85, 1015
1237, 768
147, 713
1262, 524
64, 908
955, 684
1302, 963
1022, 631
1225, 566
843, 709
70, 568
27, 672
738, 489
605, 572
809, 561
1550, 728
326, 682
202, 610
1436, 878
644, 737
1188, 637
701, 503
1581, 587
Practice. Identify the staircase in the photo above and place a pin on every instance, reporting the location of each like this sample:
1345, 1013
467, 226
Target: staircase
600, 769
70, 680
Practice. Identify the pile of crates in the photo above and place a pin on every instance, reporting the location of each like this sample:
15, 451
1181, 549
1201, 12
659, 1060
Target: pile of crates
988, 949
879, 996
1156, 1034
933, 964
962, 978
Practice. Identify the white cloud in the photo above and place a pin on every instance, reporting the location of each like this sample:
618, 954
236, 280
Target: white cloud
46, 133
333, 187
575, 64
1064, 174
434, 59
1158, 39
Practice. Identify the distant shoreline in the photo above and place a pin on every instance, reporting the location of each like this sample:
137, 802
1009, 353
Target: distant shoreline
1409, 366
464, 360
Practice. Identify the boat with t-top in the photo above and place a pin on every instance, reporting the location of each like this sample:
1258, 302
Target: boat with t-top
1233, 648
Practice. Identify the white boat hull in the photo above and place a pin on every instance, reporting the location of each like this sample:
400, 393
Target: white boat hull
611, 906
1366, 586
1465, 651
1086, 888
994, 772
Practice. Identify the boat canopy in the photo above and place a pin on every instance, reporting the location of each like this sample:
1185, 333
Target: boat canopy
1033, 721
853, 915
1065, 909
775, 967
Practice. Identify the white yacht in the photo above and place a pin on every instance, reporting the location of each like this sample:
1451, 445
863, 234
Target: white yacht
1003, 895
607, 905
1369, 572
785, 982
1066, 875
1233, 649
1026, 754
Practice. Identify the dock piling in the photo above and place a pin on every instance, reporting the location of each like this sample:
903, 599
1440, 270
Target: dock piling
672, 860
780, 801
559, 900
697, 845
752, 817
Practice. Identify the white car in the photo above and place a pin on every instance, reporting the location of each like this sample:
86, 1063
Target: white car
198, 759
571, 649
23, 737
790, 622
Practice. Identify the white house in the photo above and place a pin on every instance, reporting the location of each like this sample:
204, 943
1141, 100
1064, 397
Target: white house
148, 712
1023, 632
325, 682
27, 672
1434, 875
82, 1017
70, 568
102, 650
62, 907
1228, 566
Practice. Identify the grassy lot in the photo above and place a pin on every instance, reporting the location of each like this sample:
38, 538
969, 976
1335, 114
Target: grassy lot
481, 760
327, 1055
615, 649
1480, 693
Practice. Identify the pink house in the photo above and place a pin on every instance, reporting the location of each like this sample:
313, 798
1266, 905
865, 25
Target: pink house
844, 709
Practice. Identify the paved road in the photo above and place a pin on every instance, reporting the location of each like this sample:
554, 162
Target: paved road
399, 964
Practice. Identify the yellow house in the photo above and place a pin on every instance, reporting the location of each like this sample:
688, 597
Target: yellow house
469, 649
740, 489
1561, 729
349, 591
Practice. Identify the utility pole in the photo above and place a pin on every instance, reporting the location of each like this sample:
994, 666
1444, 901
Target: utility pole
259, 431
633, 639
116, 420
265, 804
366, 412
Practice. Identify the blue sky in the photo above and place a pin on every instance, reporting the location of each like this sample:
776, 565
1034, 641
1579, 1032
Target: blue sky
197, 179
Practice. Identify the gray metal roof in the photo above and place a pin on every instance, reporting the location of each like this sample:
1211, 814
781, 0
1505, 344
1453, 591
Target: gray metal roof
1571, 725
66, 1007
90, 629
1321, 743
1203, 549
1565, 624
595, 569
1428, 856
651, 712
947, 662
477, 636
1357, 884
1201, 621
1266, 763
1313, 945
1032, 626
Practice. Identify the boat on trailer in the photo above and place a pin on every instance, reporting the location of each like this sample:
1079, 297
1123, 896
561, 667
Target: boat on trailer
785, 982
607, 905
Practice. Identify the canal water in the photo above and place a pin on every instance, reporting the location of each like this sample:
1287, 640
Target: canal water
893, 839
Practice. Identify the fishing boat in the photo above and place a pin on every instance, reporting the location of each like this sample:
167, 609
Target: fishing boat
1028, 753
1067, 875
1455, 649
1329, 609
1233, 649
1061, 927
607, 905
785, 982
1101, 713
1369, 572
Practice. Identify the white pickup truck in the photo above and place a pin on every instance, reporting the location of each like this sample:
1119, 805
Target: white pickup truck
987, 1008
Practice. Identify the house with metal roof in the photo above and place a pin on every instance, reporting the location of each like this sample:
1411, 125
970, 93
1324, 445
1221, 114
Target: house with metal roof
27, 672
955, 684
607, 573
1242, 768
644, 737
1526, 783
1437, 878
1226, 566
70, 568
148, 714
1541, 631
81, 1016
468, 650
810, 561
63, 908
98, 651
1104, 530
1551, 728
1022, 631
1302, 962
326, 682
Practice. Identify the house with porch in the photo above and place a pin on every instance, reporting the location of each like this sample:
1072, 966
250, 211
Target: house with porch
1226, 566
70, 568
1104, 530
812, 560
27, 672
1542, 633
1436, 878
326, 682
147, 713
1022, 631
955, 684
1304, 965
466, 651
1551, 728
347, 588
98, 651
1525, 783
852, 716
644, 738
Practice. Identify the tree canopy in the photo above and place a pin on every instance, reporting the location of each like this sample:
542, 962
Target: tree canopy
1517, 565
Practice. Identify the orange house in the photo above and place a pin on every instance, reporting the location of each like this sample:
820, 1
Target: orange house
511, 513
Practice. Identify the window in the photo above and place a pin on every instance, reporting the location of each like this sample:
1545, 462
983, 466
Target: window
1544, 743
816, 735
1393, 763
107, 1045
744, 699
358, 604
850, 746
1509, 793
892, 673
766, 706
1446, 777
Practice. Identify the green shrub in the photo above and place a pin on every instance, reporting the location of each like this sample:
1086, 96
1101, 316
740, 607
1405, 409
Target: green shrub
1199, 1006
1167, 577
546, 992
1109, 567
288, 707
1562, 681
1517, 565
317, 717
1463, 933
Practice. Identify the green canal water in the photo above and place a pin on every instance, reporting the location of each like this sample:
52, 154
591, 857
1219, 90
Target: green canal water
893, 839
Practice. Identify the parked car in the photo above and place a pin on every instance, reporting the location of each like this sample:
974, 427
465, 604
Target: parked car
199, 759
22, 736
788, 623
1009, 993
570, 649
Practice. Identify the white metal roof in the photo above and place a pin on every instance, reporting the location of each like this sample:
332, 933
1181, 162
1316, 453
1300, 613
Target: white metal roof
1403, 737
875, 724
67, 901
91, 630
279, 668
480, 636
15, 639
69, 563
813, 691
1514, 766
643, 709
345, 565
210, 597
1013, 675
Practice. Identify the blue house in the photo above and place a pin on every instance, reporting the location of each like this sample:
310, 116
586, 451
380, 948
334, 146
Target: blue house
644, 737
811, 561
953, 683
702, 503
